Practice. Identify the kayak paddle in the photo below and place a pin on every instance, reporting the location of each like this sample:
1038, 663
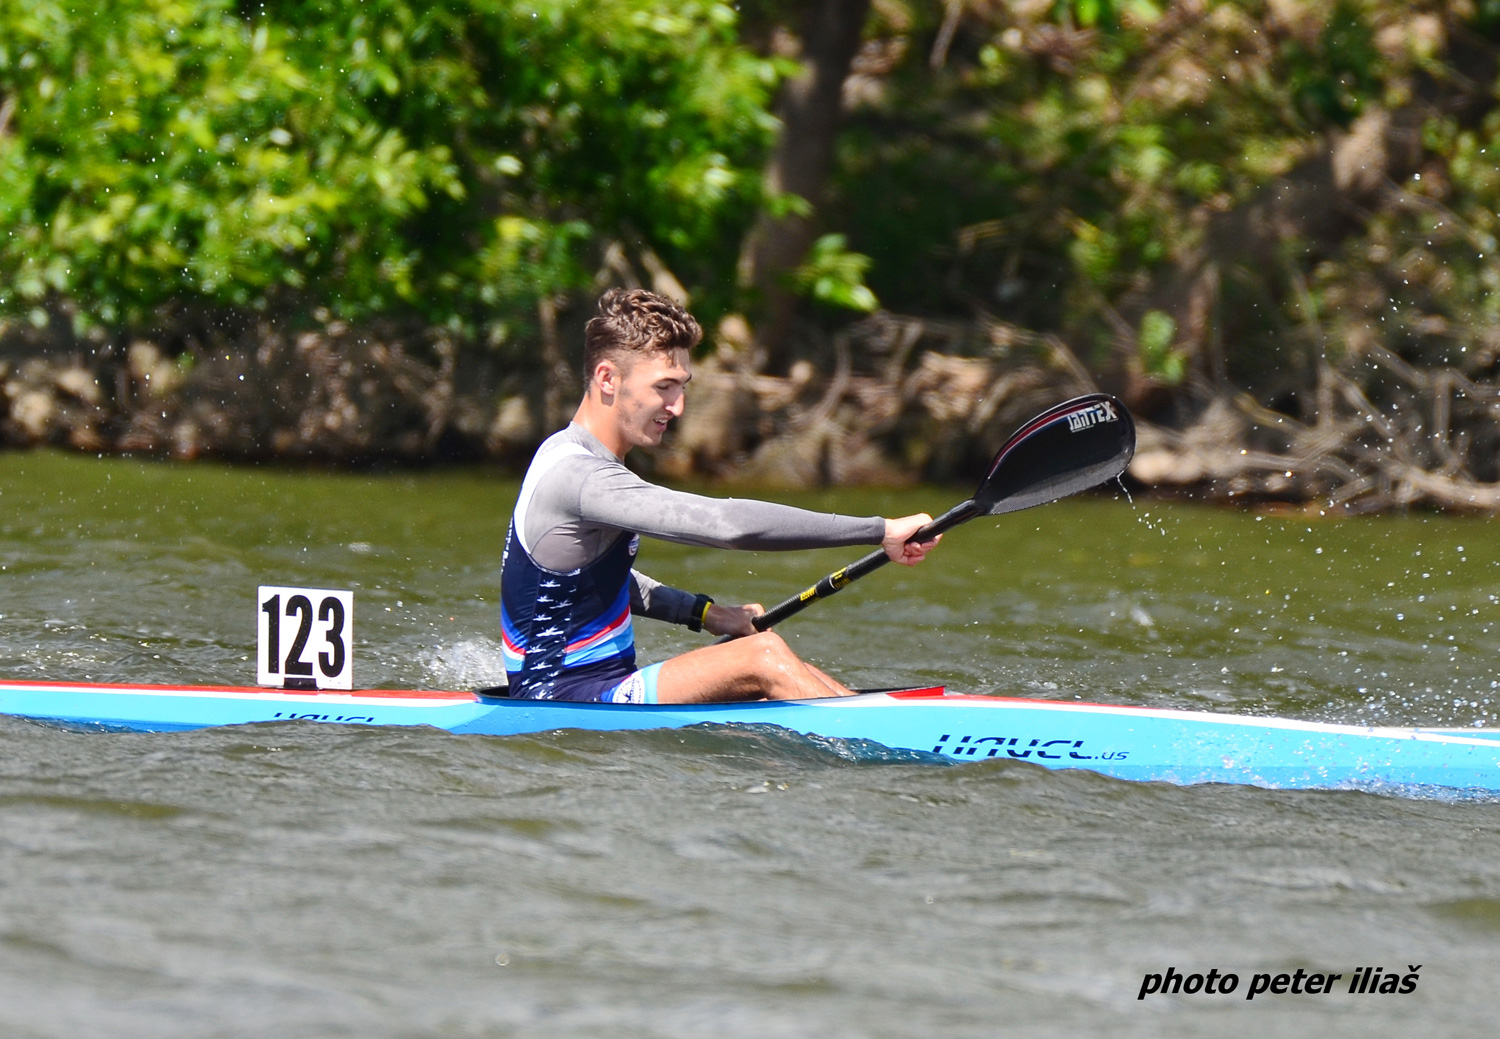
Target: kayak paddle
1068, 448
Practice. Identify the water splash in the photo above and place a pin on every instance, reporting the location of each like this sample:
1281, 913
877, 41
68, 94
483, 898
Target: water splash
469, 664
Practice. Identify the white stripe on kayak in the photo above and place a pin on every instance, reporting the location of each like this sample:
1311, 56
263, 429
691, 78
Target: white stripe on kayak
1165, 713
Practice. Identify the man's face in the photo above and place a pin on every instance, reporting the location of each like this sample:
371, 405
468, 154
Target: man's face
650, 393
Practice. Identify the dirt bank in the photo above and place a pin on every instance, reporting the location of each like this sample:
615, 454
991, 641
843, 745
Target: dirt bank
896, 400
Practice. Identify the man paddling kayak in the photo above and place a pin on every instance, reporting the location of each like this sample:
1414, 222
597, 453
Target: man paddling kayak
568, 586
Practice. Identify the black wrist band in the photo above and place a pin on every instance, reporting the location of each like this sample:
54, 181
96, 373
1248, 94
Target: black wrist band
700, 613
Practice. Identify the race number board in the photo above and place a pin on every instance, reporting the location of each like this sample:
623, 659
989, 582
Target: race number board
306, 638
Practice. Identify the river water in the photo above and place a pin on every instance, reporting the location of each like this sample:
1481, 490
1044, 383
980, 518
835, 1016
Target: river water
317, 880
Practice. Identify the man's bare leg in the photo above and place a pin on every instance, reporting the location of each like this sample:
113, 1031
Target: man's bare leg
751, 668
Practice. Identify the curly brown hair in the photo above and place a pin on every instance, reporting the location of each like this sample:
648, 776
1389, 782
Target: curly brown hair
634, 321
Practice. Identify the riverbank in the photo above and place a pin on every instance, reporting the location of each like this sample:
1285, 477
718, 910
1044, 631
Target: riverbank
895, 404
896, 401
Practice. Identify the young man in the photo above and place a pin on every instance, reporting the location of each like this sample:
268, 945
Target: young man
568, 587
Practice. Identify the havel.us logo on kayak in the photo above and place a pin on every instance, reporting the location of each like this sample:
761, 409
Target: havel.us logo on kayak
1048, 750
1093, 415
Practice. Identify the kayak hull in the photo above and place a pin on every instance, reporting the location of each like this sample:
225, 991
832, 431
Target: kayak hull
1134, 743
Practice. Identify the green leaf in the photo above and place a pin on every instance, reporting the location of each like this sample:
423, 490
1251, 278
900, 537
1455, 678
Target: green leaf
833, 275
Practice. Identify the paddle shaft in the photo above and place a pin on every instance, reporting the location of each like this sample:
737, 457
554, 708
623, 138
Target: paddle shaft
1068, 448
842, 577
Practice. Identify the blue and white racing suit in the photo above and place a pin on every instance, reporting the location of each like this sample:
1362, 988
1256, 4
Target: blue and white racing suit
568, 586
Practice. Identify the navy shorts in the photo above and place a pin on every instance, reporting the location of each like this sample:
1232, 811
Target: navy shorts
631, 687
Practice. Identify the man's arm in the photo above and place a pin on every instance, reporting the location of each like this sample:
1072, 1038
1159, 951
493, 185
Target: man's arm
614, 496
662, 602
651, 598
609, 496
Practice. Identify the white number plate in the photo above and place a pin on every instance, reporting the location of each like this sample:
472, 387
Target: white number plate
306, 638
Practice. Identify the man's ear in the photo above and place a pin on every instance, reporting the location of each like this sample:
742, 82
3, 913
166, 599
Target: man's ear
607, 378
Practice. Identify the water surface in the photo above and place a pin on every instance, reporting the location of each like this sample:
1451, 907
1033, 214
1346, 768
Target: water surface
323, 881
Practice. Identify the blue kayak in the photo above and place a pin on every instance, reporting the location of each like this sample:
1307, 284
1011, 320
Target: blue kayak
1135, 743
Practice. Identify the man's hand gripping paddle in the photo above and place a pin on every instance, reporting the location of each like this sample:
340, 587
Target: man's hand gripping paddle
1068, 448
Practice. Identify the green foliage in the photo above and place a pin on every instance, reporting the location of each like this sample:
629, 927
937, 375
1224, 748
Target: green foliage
1076, 166
1154, 342
1067, 166
835, 276
1422, 280
444, 158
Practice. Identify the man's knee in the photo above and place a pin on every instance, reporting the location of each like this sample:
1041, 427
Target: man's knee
768, 642
771, 649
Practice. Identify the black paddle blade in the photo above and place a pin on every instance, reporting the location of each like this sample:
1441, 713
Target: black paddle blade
1076, 445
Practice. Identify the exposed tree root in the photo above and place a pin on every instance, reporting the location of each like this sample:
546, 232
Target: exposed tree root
1397, 436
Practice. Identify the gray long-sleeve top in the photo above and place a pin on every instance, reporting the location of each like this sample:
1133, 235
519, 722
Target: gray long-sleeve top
578, 497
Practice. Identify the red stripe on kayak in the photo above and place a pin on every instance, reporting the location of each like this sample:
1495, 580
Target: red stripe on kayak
404, 694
